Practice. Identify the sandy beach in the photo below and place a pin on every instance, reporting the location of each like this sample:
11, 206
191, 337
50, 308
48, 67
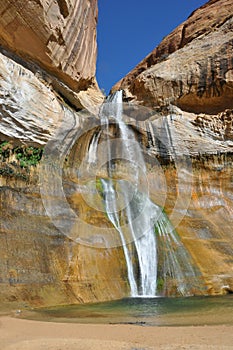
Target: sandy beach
20, 334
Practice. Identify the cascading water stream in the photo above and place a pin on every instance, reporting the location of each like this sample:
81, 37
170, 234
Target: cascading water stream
112, 212
143, 228
143, 281
92, 152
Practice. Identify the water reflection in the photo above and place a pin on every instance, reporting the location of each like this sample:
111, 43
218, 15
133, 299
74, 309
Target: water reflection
144, 311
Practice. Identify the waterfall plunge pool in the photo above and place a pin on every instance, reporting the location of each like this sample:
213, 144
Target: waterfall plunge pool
182, 311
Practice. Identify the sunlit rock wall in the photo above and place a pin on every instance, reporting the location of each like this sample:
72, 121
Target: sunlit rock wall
57, 40
192, 67
47, 73
189, 174
39, 264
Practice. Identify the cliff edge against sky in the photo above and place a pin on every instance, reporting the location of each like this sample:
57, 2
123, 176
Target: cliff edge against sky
192, 67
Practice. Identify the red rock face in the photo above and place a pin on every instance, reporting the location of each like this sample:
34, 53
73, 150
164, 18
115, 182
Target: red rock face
192, 67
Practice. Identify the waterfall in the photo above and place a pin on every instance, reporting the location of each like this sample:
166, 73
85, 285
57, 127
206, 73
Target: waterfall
112, 212
174, 261
143, 275
153, 252
92, 152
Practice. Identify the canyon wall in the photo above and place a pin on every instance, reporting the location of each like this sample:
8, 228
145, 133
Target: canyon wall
48, 94
47, 74
192, 67
187, 87
56, 40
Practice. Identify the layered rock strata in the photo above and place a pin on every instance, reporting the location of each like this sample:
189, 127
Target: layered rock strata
56, 39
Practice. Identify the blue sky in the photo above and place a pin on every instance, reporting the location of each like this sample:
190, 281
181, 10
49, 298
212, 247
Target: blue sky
128, 30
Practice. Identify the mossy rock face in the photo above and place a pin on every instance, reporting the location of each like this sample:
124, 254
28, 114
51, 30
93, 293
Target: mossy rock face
16, 161
29, 156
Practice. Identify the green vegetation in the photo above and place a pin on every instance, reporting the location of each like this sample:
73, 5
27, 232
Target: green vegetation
16, 161
99, 187
29, 156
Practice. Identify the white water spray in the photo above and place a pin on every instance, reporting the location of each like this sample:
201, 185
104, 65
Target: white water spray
142, 226
142, 275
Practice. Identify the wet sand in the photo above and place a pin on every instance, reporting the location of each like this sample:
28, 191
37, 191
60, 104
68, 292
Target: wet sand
20, 334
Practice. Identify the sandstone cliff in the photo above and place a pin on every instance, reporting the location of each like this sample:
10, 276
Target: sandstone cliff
56, 40
47, 73
192, 67
186, 84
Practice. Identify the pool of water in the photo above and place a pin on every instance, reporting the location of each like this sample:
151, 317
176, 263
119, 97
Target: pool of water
143, 311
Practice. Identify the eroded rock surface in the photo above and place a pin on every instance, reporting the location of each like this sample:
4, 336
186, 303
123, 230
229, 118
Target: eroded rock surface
30, 111
58, 37
47, 73
192, 67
